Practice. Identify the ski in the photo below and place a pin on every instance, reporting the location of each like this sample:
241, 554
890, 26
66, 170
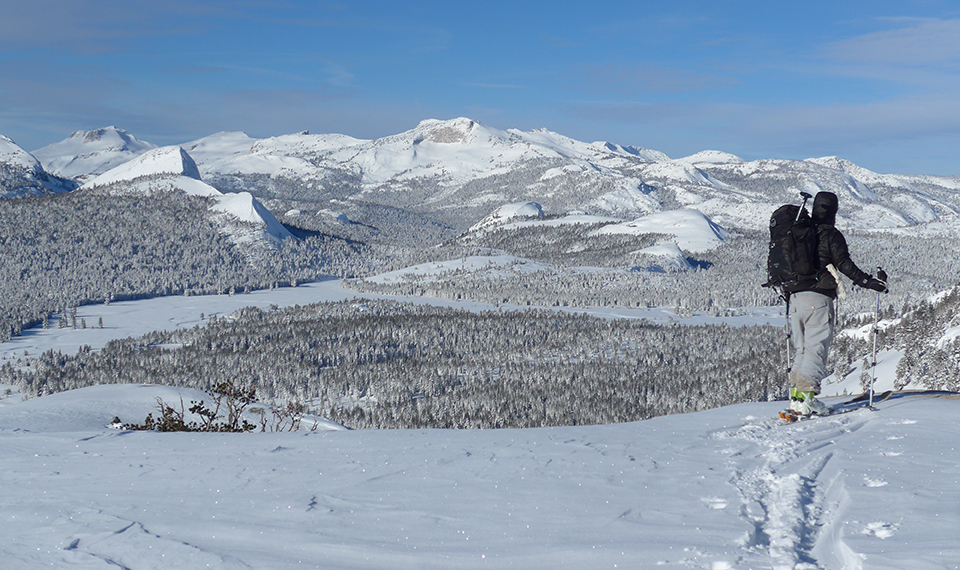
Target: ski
866, 395
791, 416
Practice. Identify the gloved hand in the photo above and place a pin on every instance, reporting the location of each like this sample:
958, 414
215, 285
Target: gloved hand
875, 284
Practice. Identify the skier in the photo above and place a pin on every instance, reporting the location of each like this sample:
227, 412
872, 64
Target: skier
812, 312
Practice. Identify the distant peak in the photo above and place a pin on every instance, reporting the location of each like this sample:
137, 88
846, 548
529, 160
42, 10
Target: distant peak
97, 134
834, 162
713, 157
104, 138
646, 154
460, 122
445, 132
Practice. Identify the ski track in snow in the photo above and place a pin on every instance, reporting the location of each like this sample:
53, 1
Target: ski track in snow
790, 494
801, 492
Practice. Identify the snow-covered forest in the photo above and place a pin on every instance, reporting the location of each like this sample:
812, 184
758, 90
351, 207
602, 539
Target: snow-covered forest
62, 251
716, 281
386, 364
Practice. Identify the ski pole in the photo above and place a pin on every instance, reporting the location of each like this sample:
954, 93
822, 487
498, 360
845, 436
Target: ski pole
786, 297
882, 276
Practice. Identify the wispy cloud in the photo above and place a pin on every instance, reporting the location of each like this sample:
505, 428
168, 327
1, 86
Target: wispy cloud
633, 112
915, 42
759, 130
98, 26
883, 121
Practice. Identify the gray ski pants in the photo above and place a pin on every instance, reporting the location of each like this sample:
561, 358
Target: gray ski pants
812, 318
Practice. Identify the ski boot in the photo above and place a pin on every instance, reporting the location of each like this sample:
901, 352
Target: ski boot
804, 404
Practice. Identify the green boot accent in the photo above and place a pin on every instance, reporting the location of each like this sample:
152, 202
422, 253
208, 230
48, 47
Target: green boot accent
806, 396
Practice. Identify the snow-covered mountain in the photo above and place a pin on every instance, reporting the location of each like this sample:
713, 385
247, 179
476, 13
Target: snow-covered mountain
21, 174
465, 171
172, 169
87, 154
168, 161
736, 193
460, 171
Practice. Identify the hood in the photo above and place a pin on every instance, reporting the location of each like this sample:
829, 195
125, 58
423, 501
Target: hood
825, 206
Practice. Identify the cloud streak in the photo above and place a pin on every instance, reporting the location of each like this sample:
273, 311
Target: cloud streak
920, 42
100, 26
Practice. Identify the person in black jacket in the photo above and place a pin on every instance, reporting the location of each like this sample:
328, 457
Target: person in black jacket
812, 312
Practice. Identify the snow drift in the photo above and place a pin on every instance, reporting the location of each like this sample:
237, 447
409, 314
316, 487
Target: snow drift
508, 213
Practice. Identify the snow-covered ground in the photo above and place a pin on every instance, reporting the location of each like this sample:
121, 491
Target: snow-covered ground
730, 488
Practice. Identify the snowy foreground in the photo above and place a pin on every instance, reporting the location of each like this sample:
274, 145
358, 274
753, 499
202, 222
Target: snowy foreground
723, 489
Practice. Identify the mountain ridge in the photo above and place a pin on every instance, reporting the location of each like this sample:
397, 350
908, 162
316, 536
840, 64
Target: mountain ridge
460, 171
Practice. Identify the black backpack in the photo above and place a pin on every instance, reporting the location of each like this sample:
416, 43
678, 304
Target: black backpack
792, 262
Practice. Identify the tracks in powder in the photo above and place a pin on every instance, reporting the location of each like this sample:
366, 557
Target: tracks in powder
791, 493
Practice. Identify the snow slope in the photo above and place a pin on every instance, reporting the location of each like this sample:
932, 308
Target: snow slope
730, 488
244, 207
724, 489
21, 174
689, 229
171, 168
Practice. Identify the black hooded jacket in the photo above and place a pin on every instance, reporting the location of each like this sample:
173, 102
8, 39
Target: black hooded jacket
832, 248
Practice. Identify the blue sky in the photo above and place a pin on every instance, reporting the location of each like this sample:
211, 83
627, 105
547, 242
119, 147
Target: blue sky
874, 82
